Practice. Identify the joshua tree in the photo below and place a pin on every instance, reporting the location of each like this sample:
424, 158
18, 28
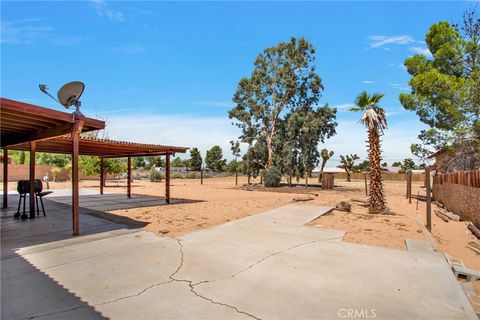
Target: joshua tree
375, 120
348, 161
326, 155
235, 147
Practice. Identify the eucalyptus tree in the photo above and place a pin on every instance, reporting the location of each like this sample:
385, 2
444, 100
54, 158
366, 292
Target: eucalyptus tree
283, 78
373, 117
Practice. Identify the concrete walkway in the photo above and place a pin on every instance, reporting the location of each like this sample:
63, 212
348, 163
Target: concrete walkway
267, 266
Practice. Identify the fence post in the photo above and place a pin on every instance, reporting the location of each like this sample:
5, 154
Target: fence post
366, 186
428, 199
410, 187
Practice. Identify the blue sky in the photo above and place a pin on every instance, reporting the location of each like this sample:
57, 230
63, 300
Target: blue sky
165, 72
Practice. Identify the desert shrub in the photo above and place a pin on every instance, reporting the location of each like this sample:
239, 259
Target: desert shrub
156, 176
272, 177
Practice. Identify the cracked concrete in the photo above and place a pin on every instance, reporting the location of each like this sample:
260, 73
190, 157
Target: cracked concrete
261, 267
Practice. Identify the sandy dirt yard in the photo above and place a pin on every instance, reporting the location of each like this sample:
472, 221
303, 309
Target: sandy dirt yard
218, 201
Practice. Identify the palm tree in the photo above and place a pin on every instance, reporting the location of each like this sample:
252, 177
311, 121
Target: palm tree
325, 156
375, 120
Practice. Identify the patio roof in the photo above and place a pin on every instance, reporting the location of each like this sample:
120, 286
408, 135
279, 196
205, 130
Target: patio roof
102, 147
36, 129
22, 122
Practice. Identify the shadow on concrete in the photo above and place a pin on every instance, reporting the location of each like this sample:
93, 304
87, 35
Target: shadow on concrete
27, 292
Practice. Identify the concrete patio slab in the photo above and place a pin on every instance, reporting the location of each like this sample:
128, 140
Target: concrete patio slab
267, 266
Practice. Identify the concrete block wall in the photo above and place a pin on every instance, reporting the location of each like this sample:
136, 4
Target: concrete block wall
21, 172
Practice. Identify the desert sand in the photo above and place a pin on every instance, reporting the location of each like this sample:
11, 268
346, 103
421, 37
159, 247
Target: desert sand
218, 201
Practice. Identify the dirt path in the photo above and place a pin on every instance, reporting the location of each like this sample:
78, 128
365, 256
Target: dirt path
218, 201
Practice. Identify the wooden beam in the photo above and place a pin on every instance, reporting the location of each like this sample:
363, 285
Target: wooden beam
428, 199
32, 179
76, 130
102, 175
5, 178
14, 139
129, 177
167, 178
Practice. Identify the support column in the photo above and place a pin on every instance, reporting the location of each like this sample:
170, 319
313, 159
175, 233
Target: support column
129, 177
167, 178
5, 178
33, 147
102, 175
76, 130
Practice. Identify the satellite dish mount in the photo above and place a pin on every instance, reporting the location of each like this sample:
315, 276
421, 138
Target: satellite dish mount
68, 95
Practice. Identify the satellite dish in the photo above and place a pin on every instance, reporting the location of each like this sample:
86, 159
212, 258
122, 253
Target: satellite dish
69, 94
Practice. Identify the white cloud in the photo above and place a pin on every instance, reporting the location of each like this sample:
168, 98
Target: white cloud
22, 32
129, 49
398, 65
205, 132
141, 11
103, 10
368, 81
377, 41
180, 130
421, 50
351, 138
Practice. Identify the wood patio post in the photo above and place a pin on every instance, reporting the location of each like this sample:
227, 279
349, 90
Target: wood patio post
167, 178
129, 177
428, 199
33, 146
76, 130
5, 178
102, 175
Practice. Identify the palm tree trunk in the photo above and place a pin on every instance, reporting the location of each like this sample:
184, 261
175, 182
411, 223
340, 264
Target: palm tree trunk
377, 197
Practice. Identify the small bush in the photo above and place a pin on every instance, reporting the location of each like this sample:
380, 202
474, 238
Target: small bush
272, 177
156, 176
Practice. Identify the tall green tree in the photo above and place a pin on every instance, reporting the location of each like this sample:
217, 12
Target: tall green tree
154, 161
326, 155
195, 162
283, 78
22, 157
179, 163
347, 164
90, 165
407, 165
139, 162
363, 166
374, 119
446, 91
53, 159
214, 159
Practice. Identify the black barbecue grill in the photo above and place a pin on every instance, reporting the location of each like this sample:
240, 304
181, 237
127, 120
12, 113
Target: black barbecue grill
23, 188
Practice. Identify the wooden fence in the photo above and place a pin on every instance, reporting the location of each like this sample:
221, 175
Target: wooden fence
465, 178
386, 176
